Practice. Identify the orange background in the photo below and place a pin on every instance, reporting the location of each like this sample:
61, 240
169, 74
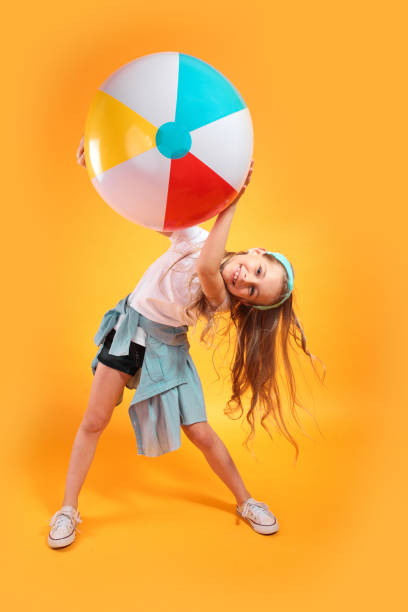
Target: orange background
325, 84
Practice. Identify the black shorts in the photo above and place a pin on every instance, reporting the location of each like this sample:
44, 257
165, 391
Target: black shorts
125, 363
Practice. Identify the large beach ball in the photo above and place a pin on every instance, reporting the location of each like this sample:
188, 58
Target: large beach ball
168, 141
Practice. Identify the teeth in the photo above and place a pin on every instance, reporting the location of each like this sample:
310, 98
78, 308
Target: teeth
236, 274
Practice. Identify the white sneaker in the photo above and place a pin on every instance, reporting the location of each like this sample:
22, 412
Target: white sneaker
258, 515
63, 526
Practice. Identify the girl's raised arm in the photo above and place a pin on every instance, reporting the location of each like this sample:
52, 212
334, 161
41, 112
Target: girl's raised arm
213, 249
212, 252
209, 261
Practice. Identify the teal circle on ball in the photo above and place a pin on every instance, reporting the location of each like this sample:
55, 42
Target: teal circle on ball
173, 140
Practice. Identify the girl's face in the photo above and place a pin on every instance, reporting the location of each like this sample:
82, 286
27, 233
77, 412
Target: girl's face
253, 278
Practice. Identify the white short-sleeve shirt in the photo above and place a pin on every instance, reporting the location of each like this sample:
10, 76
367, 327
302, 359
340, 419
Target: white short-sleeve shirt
165, 302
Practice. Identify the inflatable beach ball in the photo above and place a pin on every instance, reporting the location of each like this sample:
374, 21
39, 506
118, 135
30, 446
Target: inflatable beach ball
168, 141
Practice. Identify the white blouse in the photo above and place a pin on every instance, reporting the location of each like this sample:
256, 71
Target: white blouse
165, 302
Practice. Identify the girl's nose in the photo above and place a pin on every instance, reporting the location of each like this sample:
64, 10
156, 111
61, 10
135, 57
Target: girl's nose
248, 277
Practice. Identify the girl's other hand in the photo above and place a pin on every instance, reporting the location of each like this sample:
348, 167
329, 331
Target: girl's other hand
81, 154
248, 178
241, 193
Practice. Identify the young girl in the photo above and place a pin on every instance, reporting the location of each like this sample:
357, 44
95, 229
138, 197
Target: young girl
143, 346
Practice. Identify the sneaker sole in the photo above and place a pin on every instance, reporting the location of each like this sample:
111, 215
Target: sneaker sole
263, 529
61, 542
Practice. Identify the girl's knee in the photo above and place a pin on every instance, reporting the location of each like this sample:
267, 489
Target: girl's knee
94, 421
201, 434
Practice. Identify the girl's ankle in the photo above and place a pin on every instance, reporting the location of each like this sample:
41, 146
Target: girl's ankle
71, 505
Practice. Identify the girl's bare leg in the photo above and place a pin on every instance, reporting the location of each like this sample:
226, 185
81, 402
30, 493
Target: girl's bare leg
107, 386
218, 457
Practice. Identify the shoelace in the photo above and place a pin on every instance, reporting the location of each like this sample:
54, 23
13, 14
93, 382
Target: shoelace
254, 509
60, 517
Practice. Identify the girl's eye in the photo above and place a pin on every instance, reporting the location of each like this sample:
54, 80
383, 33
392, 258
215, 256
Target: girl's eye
251, 291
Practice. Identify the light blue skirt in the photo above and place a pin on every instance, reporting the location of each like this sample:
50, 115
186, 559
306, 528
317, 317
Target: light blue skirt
168, 388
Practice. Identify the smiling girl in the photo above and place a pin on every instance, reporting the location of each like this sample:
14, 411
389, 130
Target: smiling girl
143, 345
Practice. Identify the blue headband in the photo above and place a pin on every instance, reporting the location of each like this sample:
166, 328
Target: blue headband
289, 271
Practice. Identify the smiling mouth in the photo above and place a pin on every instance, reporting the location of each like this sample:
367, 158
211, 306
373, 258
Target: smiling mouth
236, 274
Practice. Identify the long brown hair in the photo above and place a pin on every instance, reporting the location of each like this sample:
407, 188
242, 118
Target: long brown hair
258, 336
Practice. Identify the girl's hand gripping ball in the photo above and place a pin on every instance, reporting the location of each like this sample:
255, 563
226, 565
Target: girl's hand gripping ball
81, 154
241, 193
